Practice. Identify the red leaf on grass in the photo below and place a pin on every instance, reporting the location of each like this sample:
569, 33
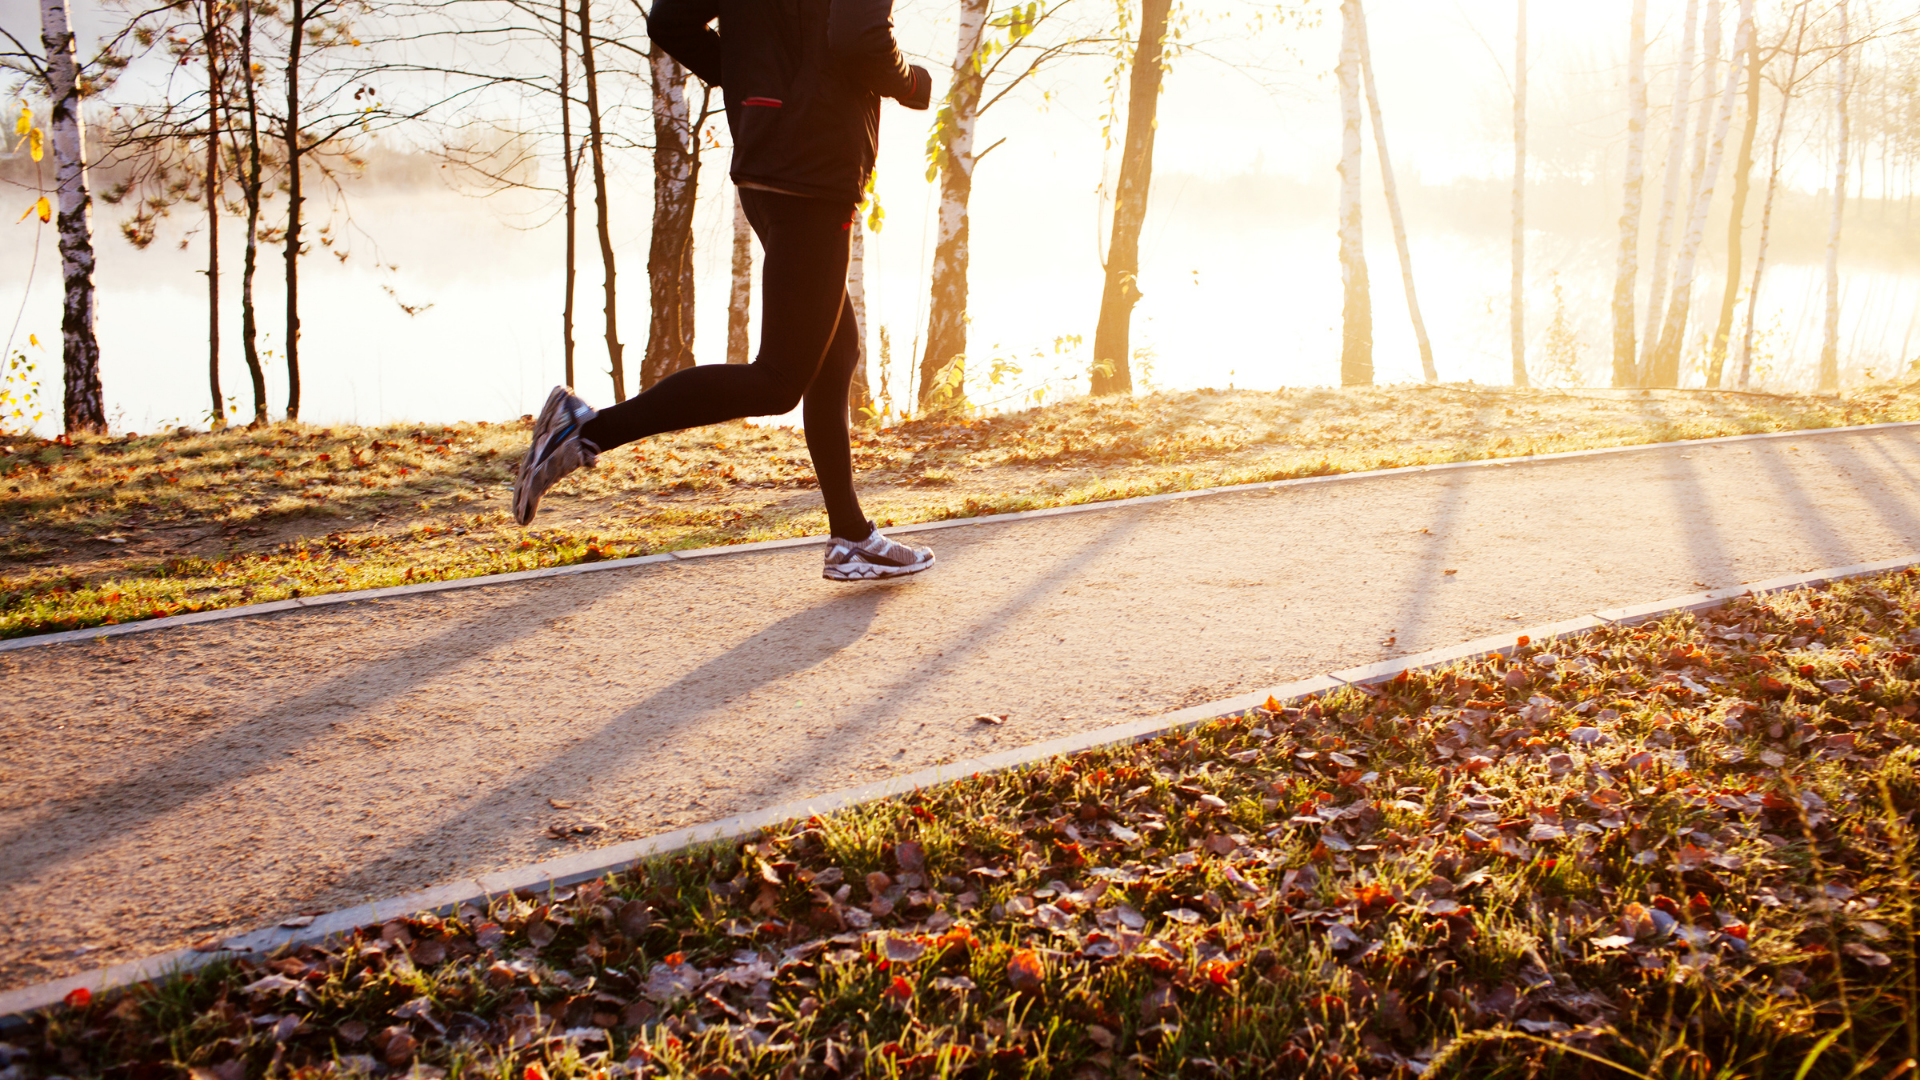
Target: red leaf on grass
78, 998
1024, 972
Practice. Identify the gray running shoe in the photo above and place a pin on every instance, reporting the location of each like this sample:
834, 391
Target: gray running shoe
557, 450
877, 556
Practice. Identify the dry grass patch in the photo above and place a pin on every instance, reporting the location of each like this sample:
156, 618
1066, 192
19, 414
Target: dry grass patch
110, 530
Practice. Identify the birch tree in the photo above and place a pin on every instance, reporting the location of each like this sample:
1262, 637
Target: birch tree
1356, 337
1112, 335
1627, 262
1736, 220
84, 409
1666, 367
1773, 186
951, 147
676, 176
859, 395
1843, 143
1670, 186
1392, 190
1517, 299
741, 295
993, 56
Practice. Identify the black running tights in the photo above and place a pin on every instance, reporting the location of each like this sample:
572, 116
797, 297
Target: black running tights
808, 347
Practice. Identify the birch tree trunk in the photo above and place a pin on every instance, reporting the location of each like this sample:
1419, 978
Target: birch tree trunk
1356, 336
1517, 300
290, 252
250, 259
859, 395
1666, 367
741, 297
1627, 263
1392, 190
1766, 206
1112, 336
947, 308
670, 258
1670, 186
1742, 185
80, 349
570, 163
616, 353
211, 39
1830, 340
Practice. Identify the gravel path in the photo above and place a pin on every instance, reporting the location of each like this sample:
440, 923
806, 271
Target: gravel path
163, 787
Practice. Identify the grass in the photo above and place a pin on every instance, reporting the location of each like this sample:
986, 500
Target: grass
1683, 849
116, 529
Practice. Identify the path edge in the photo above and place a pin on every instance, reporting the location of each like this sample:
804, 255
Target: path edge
97, 633
588, 865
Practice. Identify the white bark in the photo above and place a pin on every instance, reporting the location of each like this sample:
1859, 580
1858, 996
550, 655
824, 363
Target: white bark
1628, 260
740, 299
1670, 187
80, 348
1392, 190
670, 256
860, 396
1830, 340
1356, 339
959, 117
1666, 368
1517, 300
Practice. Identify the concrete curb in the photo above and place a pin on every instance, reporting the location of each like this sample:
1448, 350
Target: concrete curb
587, 865
329, 599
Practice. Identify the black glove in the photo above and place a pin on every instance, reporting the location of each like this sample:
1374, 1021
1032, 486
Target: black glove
921, 95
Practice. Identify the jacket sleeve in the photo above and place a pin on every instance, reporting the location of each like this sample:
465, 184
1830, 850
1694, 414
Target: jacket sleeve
682, 27
860, 36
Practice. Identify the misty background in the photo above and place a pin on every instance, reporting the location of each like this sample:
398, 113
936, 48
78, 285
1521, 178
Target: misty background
1239, 266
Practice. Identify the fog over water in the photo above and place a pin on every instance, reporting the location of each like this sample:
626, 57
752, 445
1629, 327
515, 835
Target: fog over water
1240, 280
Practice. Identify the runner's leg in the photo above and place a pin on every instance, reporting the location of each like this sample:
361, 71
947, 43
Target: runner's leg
803, 290
828, 442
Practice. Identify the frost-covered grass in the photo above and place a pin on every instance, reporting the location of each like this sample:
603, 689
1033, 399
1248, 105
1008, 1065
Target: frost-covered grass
111, 530
1683, 849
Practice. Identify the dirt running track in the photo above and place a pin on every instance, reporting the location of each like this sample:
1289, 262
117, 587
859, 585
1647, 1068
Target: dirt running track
162, 787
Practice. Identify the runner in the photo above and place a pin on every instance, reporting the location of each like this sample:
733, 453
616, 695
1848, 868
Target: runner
804, 79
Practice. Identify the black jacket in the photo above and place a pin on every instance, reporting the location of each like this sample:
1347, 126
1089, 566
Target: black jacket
802, 81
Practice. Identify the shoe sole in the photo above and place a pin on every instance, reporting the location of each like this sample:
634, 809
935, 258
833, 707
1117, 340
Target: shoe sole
520, 478
872, 571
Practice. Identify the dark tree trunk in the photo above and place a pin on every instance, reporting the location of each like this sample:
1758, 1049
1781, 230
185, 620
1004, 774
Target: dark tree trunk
1112, 343
571, 164
676, 165
249, 330
595, 145
296, 32
212, 42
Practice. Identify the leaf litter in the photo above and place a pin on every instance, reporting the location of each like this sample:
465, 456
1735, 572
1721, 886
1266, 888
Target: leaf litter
1644, 850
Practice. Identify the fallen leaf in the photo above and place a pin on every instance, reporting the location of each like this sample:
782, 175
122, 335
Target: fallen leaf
1025, 973
80, 997
904, 950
